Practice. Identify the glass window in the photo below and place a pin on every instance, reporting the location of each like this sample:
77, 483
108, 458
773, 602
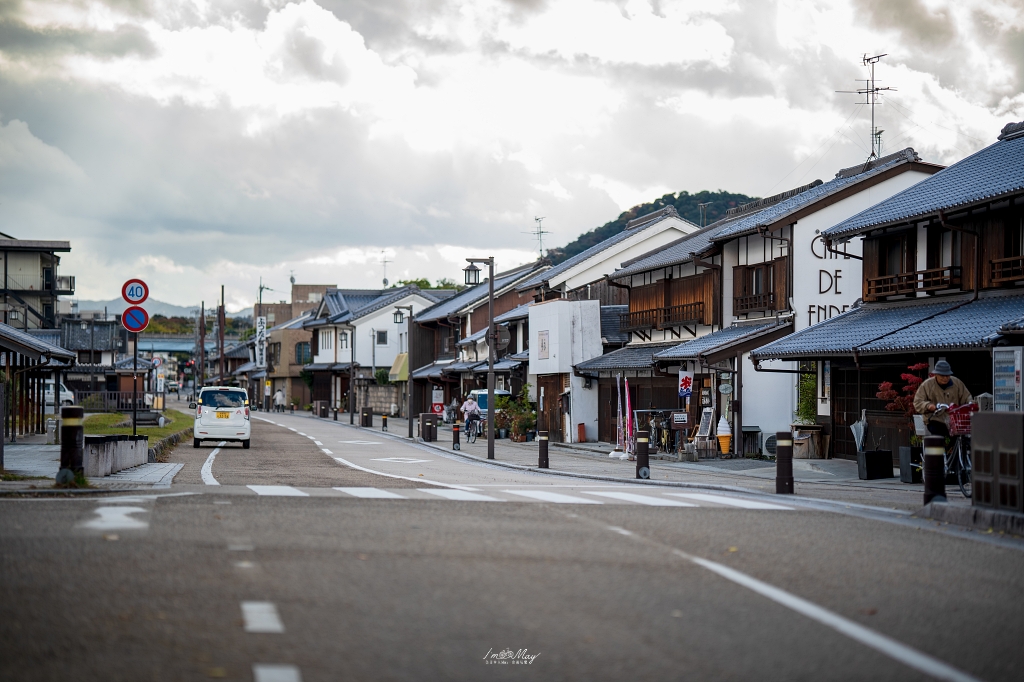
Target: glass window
326, 339
343, 340
302, 356
382, 338
222, 398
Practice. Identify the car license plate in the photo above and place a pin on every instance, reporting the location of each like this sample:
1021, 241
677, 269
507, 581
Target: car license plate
223, 415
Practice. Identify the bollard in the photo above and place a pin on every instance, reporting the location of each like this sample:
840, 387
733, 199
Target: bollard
542, 449
784, 463
383, 422
335, 414
293, 408
455, 437
934, 469
643, 462
72, 443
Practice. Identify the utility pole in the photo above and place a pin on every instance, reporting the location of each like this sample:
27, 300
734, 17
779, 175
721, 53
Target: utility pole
703, 209
202, 351
220, 335
870, 92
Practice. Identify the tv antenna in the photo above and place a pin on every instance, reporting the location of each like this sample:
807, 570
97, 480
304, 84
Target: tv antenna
703, 208
870, 92
539, 233
384, 261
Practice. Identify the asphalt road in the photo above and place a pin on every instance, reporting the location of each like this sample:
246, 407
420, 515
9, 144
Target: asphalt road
215, 579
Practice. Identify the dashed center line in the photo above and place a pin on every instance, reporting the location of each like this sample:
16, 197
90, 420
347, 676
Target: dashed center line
261, 616
275, 672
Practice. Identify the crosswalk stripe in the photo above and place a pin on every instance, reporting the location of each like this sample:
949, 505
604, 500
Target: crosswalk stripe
272, 672
372, 493
642, 499
730, 501
558, 498
261, 616
459, 495
277, 490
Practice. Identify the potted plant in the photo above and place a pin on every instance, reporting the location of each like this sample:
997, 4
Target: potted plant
902, 401
521, 415
502, 416
806, 430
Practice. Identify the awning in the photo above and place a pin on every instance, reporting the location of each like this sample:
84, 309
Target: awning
639, 356
244, 369
431, 371
506, 364
327, 367
879, 329
20, 342
725, 343
399, 368
465, 366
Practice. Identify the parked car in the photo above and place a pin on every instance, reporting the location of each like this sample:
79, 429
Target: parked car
222, 413
66, 396
172, 386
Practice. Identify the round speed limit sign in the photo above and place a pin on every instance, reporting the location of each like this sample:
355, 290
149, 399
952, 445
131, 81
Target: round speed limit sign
135, 291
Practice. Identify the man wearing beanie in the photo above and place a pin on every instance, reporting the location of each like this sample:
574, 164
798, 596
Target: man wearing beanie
940, 387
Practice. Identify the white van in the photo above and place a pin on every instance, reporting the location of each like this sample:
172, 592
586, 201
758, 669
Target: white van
66, 396
222, 413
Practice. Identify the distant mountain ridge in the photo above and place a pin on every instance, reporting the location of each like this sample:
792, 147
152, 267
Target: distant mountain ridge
686, 206
155, 307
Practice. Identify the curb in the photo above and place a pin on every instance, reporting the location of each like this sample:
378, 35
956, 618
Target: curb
61, 492
165, 443
990, 520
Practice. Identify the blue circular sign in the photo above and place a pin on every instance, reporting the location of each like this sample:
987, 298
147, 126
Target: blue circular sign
135, 319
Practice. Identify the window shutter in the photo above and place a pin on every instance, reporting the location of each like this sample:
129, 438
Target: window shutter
991, 248
314, 343
780, 282
739, 281
968, 262
870, 265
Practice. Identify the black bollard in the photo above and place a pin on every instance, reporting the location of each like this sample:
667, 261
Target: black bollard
455, 437
784, 463
934, 469
383, 422
72, 443
542, 449
335, 414
643, 462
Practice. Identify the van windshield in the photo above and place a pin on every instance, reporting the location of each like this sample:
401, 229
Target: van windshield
222, 398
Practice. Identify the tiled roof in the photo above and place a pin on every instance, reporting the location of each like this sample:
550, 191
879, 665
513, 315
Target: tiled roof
20, 341
565, 265
952, 324
467, 366
995, 171
673, 253
295, 322
691, 350
629, 357
347, 305
610, 319
434, 369
520, 312
506, 364
473, 338
468, 297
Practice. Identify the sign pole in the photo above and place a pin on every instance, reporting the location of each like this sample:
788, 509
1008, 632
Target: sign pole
135, 386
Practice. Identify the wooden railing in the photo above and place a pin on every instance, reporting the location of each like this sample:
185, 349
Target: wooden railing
113, 401
904, 283
1005, 270
659, 318
753, 302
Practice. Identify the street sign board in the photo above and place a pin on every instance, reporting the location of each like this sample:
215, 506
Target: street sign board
261, 343
503, 337
135, 291
157, 361
135, 319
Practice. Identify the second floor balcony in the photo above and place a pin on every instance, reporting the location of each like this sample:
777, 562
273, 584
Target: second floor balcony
909, 283
662, 318
64, 285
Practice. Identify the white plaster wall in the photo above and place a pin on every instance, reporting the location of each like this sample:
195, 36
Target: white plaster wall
583, 409
574, 334
769, 399
383, 320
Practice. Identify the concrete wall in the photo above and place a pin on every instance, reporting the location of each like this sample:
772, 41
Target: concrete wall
105, 455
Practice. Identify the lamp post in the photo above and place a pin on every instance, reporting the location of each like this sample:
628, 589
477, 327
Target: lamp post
472, 279
408, 364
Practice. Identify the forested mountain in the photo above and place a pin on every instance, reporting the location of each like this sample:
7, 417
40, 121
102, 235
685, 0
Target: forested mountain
684, 203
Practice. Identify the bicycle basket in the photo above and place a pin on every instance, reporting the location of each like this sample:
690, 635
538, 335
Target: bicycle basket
960, 419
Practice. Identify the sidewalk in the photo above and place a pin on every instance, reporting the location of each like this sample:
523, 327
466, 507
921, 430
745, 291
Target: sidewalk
833, 479
41, 460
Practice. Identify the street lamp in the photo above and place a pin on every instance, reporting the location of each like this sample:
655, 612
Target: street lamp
473, 278
399, 318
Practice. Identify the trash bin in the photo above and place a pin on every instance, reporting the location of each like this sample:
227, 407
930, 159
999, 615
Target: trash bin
874, 464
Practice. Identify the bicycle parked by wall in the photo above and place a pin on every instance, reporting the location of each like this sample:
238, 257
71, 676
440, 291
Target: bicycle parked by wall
957, 462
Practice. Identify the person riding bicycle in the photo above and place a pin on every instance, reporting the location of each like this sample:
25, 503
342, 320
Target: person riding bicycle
941, 387
470, 412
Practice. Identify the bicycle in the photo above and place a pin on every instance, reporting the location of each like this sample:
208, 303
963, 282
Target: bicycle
472, 430
957, 460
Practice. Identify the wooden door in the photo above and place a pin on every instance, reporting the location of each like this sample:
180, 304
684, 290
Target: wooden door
606, 411
549, 405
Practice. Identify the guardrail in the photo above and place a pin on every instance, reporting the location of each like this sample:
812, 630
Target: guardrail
112, 401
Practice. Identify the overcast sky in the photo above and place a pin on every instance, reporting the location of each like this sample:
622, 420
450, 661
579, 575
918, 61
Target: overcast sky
200, 143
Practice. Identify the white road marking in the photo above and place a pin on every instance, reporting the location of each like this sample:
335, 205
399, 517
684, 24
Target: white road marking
291, 429
898, 651
620, 531
274, 672
207, 471
300, 433
730, 501
546, 496
360, 442
347, 463
116, 518
277, 490
326, 451
240, 548
261, 616
642, 499
401, 460
459, 495
372, 493
318, 442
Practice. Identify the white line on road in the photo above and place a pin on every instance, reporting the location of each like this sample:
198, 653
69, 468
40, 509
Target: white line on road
459, 495
116, 518
318, 442
277, 490
207, 471
326, 451
730, 501
360, 442
347, 463
274, 672
372, 493
546, 496
642, 499
401, 460
890, 647
261, 616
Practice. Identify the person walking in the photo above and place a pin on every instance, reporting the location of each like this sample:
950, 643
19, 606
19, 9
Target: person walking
941, 387
279, 401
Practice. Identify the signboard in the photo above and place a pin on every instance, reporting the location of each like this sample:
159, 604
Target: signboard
135, 319
707, 417
135, 291
725, 389
543, 347
160, 383
266, 388
261, 343
437, 400
685, 384
157, 361
680, 420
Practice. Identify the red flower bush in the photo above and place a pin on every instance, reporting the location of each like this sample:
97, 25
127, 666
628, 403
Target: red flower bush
903, 400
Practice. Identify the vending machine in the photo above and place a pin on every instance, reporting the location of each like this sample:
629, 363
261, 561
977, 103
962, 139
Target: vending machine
1006, 389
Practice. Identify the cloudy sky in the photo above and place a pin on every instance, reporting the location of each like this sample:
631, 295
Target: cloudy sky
198, 142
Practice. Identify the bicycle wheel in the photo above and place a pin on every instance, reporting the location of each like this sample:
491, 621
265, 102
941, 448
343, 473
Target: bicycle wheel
963, 474
471, 432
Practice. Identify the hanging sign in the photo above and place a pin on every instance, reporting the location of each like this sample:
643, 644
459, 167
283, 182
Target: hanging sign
261, 343
685, 384
437, 400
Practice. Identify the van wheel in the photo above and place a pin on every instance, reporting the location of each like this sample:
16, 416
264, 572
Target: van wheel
195, 442
245, 444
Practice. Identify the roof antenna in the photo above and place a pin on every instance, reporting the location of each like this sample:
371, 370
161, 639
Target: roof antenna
539, 233
384, 261
292, 278
870, 92
703, 208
